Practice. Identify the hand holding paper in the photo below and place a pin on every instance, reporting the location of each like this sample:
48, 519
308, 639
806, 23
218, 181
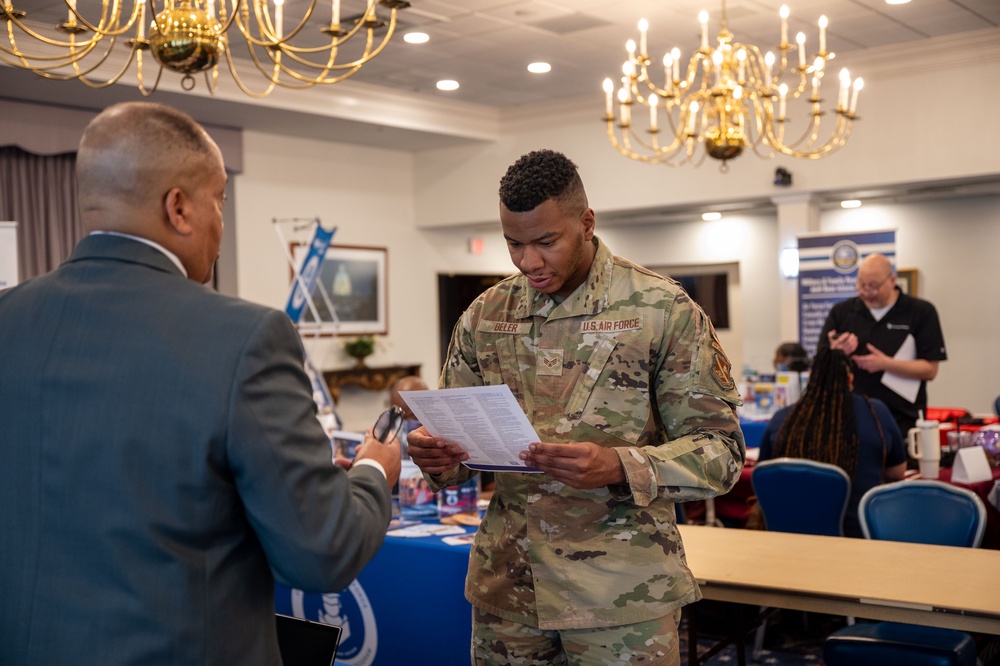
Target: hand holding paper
485, 423
581, 465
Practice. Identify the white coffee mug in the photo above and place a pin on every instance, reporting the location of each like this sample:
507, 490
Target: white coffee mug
924, 444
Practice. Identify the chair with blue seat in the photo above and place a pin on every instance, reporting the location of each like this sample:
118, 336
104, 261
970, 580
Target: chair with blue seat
800, 496
929, 512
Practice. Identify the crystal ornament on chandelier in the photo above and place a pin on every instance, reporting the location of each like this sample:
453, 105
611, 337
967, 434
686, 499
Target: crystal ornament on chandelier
729, 97
289, 49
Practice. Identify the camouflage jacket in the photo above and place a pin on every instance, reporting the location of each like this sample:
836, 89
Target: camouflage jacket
627, 361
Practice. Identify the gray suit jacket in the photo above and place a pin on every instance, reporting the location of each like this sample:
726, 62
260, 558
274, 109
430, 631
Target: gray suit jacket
160, 466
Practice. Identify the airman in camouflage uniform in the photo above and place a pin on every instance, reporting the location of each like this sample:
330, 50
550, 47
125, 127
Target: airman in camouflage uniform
624, 381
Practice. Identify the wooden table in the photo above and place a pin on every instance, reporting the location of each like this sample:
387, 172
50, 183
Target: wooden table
938, 586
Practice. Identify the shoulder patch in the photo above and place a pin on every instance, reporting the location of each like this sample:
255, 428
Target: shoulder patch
721, 366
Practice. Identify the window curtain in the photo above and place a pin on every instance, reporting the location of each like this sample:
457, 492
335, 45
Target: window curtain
39, 193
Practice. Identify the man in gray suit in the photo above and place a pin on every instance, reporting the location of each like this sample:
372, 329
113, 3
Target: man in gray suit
161, 463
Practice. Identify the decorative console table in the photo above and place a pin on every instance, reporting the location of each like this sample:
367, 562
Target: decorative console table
371, 379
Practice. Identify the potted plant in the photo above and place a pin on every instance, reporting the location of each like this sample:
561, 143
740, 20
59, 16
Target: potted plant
359, 348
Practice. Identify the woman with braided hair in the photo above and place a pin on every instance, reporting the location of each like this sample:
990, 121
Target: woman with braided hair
833, 425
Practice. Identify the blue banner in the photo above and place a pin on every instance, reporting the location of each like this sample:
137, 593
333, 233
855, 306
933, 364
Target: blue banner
828, 274
308, 272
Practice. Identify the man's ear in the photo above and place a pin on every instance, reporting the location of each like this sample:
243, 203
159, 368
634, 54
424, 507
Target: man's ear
588, 219
176, 206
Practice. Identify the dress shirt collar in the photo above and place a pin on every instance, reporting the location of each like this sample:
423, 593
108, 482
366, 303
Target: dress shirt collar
170, 255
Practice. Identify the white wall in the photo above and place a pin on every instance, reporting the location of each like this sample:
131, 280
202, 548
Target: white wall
368, 194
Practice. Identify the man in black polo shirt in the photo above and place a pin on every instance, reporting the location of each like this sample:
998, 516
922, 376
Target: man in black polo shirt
891, 337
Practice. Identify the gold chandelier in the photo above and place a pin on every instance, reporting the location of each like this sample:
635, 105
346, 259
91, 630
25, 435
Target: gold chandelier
729, 97
192, 36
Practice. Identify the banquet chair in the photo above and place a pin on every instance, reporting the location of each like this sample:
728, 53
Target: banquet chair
801, 496
930, 512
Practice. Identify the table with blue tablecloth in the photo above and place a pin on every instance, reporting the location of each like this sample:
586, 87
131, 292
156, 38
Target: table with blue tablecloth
753, 431
407, 607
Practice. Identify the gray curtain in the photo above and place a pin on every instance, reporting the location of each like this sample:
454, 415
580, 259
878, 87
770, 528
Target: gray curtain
39, 193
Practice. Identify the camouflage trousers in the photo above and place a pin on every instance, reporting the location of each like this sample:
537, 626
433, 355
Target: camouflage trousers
500, 642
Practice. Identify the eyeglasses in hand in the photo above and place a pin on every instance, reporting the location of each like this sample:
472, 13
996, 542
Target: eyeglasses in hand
388, 424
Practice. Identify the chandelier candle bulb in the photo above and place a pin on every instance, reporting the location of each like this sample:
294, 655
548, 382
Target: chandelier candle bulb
630, 47
783, 13
801, 40
653, 101
70, 13
623, 105
768, 63
142, 21
691, 117
278, 19
845, 86
668, 64
675, 53
609, 88
741, 56
703, 19
717, 61
823, 22
643, 28
782, 100
859, 83
336, 13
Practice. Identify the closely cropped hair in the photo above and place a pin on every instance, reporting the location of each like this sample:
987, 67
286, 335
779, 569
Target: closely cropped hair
822, 424
539, 176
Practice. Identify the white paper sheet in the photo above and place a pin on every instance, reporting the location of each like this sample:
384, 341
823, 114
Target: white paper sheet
907, 388
486, 421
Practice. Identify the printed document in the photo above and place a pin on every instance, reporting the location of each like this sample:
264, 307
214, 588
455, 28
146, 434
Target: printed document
485, 421
907, 388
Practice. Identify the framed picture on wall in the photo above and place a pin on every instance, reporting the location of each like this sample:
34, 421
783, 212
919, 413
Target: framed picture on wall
906, 279
354, 280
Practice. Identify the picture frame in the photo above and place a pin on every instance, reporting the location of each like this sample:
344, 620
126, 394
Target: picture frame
354, 278
906, 280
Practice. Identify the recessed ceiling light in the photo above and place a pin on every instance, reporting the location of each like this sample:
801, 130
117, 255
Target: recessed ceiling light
416, 38
447, 84
539, 68
708, 217
850, 203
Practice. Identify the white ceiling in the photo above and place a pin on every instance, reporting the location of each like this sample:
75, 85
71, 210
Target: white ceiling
486, 45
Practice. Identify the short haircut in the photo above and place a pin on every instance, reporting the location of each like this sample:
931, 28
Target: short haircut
132, 147
539, 176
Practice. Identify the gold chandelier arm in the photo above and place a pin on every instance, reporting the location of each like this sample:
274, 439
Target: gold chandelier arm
113, 27
12, 21
54, 62
146, 92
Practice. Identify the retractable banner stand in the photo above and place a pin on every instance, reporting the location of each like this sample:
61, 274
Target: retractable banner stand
303, 285
828, 274
306, 275
8, 254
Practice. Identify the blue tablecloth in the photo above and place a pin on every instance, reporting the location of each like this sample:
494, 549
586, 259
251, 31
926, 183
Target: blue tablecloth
407, 607
752, 432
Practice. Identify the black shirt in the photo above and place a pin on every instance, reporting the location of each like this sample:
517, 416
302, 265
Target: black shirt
907, 316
